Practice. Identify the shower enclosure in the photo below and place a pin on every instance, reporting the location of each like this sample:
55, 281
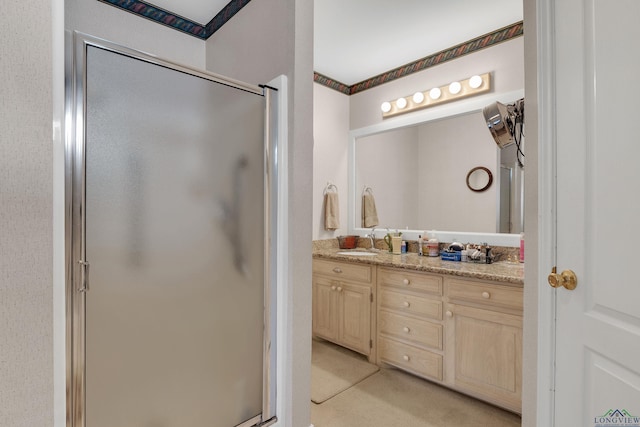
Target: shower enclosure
170, 277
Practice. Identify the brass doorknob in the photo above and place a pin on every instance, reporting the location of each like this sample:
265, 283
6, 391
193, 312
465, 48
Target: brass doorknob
567, 279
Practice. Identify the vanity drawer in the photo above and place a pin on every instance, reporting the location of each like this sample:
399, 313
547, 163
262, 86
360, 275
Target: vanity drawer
412, 281
343, 270
410, 329
483, 293
422, 362
411, 304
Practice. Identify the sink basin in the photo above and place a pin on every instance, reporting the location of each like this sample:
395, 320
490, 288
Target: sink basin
357, 253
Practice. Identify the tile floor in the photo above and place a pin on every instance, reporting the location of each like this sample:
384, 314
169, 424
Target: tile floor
393, 398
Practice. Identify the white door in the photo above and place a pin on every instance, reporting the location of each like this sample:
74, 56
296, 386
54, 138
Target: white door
597, 380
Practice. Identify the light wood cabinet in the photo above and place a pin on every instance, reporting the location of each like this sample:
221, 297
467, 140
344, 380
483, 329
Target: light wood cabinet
343, 296
410, 330
484, 340
465, 334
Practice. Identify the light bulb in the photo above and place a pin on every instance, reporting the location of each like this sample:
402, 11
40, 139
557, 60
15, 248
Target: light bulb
418, 97
385, 107
455, 87
401, 103
435, 93
475, 82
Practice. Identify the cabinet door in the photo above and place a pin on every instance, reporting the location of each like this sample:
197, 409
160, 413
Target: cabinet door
354, 314
324, 315
487, 347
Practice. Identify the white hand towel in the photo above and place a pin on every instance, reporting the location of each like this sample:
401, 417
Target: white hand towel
369, 212
331, 211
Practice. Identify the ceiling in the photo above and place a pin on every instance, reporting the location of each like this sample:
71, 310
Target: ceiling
355, 40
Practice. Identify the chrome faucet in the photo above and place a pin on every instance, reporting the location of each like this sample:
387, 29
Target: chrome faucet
372, 236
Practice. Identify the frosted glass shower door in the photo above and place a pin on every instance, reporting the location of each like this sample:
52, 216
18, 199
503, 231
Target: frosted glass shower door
174, 201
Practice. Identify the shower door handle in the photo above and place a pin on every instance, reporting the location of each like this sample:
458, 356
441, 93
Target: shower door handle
84, 266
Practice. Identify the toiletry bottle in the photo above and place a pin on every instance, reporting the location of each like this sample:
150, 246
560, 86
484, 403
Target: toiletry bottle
521, 247
403, 247
433, 245
419, 245
396, 244
489, 255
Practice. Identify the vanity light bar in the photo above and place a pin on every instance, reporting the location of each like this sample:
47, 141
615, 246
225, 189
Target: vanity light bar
474, 85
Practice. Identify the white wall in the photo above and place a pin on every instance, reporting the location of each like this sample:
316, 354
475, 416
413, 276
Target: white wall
330, 128
26, 211
251, 47
504, 60
265, 39
388, 164
118, 26
449, 149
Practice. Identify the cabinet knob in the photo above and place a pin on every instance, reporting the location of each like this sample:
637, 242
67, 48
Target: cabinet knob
406, 304
486, 295
406, 281
333, 288
406, 358
337, 270
406, 329
449, 313
339, 288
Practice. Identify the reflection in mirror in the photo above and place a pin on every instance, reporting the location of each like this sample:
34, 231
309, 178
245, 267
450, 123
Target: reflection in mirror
479, 179
415, 173
504, 225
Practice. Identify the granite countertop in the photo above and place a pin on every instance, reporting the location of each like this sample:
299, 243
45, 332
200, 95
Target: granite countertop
502, 271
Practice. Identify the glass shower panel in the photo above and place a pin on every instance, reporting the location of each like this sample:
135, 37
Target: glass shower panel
174, 235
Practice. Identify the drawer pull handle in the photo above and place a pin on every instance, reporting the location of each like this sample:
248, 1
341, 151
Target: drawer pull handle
339, 288
406, 358
406, 329
406, 304
337, 270
406, 281
449, 313
486, 295
333, 288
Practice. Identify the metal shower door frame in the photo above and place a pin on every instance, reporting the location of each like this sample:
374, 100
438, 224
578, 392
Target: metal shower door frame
76, 264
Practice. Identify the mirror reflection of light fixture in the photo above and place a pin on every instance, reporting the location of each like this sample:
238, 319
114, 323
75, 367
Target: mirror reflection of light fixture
453, 91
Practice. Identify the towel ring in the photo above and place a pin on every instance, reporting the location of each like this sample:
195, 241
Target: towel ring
330, 187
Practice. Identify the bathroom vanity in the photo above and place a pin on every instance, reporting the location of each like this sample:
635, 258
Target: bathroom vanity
343, 296
457, 324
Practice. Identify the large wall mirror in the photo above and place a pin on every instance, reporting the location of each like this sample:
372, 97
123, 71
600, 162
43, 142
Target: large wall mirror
417, 166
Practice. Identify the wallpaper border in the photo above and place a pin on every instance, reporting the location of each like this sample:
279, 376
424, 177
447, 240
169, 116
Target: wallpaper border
490, 39
177, 22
